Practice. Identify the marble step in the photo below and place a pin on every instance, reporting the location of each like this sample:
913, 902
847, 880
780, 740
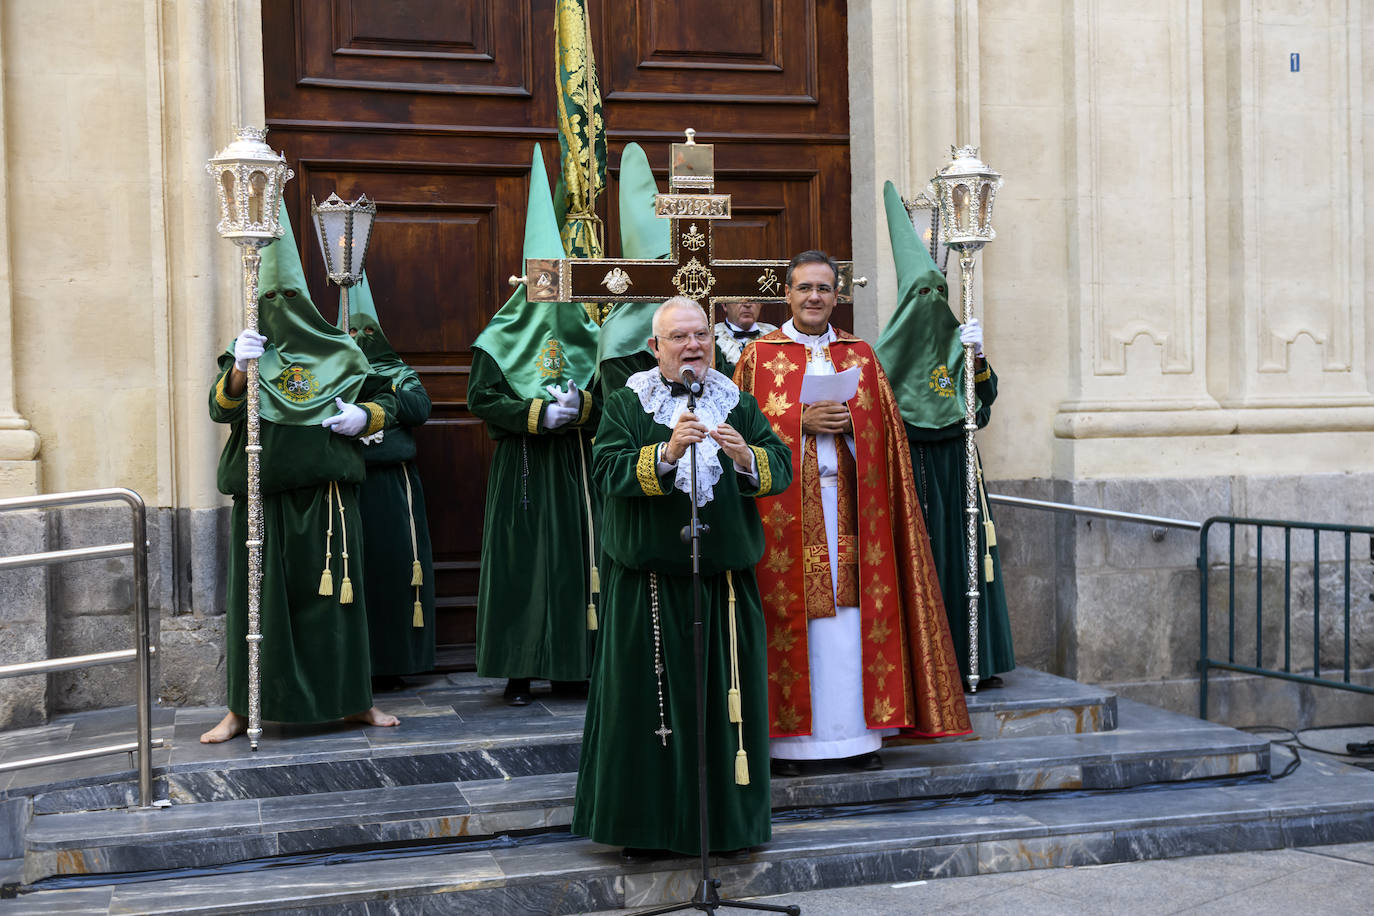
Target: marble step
1153, 746
1321, 803
468, 733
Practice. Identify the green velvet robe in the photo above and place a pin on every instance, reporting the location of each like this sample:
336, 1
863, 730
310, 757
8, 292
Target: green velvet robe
937, 457
632, 789
314, 653
398, 646
534, 585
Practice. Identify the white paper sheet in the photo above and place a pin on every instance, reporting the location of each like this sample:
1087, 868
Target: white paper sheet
838, 387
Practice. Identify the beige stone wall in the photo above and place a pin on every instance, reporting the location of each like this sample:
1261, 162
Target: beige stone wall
117, 293
1178, 284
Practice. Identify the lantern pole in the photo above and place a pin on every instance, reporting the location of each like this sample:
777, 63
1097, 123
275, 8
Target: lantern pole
964, 189
248, 180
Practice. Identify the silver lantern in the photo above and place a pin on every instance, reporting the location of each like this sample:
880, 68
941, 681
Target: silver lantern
964, 191
343, 230
249, 178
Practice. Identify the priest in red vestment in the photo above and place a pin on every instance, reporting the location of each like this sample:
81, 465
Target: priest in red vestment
858, 643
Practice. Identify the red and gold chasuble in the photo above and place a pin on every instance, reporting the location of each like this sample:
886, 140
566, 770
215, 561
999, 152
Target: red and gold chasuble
910, 674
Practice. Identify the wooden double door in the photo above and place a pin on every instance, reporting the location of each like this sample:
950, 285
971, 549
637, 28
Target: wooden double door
432, 109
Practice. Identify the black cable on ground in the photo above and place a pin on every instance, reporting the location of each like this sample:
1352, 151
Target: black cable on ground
1293, 740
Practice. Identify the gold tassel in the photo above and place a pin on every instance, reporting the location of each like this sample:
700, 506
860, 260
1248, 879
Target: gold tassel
346, 591
417, 575
591, 539
990, 532
732, 704
418, 620
741, 768
987, 567
327, 577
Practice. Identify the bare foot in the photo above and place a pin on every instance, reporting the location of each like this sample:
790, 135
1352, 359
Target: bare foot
230, 726
374, 716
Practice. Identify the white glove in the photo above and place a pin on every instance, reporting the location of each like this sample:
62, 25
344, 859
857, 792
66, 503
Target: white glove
972, 333
570, 398
556, 415
249, 345
349, 421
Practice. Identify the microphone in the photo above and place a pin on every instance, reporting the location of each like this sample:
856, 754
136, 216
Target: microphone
688, 378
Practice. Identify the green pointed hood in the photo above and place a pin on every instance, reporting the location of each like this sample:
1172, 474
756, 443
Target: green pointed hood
367, 334
643, 236
919, 349
307, 362
540, 343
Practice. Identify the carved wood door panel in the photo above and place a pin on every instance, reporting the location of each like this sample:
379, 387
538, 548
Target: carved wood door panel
432, 108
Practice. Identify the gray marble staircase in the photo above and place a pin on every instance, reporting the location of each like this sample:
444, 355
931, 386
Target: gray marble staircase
464, 809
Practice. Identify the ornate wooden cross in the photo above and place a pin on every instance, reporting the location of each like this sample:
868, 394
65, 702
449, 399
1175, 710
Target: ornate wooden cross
690, 269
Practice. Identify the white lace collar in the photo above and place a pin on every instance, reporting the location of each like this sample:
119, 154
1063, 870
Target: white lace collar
718, 397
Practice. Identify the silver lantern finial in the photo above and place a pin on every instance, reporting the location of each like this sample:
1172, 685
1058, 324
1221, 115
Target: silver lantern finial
249, 178
344, 230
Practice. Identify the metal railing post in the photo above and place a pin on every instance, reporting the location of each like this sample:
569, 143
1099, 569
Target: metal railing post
141, 654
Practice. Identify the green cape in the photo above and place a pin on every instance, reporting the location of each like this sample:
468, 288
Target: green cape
540, 343
362, 319
920, 349
307, 362
643, 236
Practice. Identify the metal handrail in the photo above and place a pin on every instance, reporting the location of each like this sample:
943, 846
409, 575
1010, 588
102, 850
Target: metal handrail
1072, 509
141, 654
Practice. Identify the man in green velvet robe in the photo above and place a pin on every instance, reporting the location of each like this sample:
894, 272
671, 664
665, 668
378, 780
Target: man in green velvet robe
396, 546
531, 369
317, 396
637, 779
922, 351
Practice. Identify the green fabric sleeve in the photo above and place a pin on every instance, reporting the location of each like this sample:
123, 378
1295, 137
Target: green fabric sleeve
622, 466
412, 403
224, 409
589, 409
491, 398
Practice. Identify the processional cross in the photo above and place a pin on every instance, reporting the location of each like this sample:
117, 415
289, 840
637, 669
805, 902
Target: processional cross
691, 268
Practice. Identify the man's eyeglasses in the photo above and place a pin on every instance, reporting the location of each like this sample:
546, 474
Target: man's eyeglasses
806, 289
680, 339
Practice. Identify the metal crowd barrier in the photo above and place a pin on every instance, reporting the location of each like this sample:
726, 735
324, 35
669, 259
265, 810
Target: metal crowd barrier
1286, 673
140, 654
1205, 661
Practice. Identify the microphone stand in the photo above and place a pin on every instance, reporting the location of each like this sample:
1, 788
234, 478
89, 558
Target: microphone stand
707, 898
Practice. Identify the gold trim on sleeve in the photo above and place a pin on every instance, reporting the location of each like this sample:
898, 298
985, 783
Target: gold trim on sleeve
532, 419
765, 474
646, 469
222, 399
586, 410
376, 417
982, 376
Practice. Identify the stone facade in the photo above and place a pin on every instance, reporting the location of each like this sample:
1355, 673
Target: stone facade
1161, 161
